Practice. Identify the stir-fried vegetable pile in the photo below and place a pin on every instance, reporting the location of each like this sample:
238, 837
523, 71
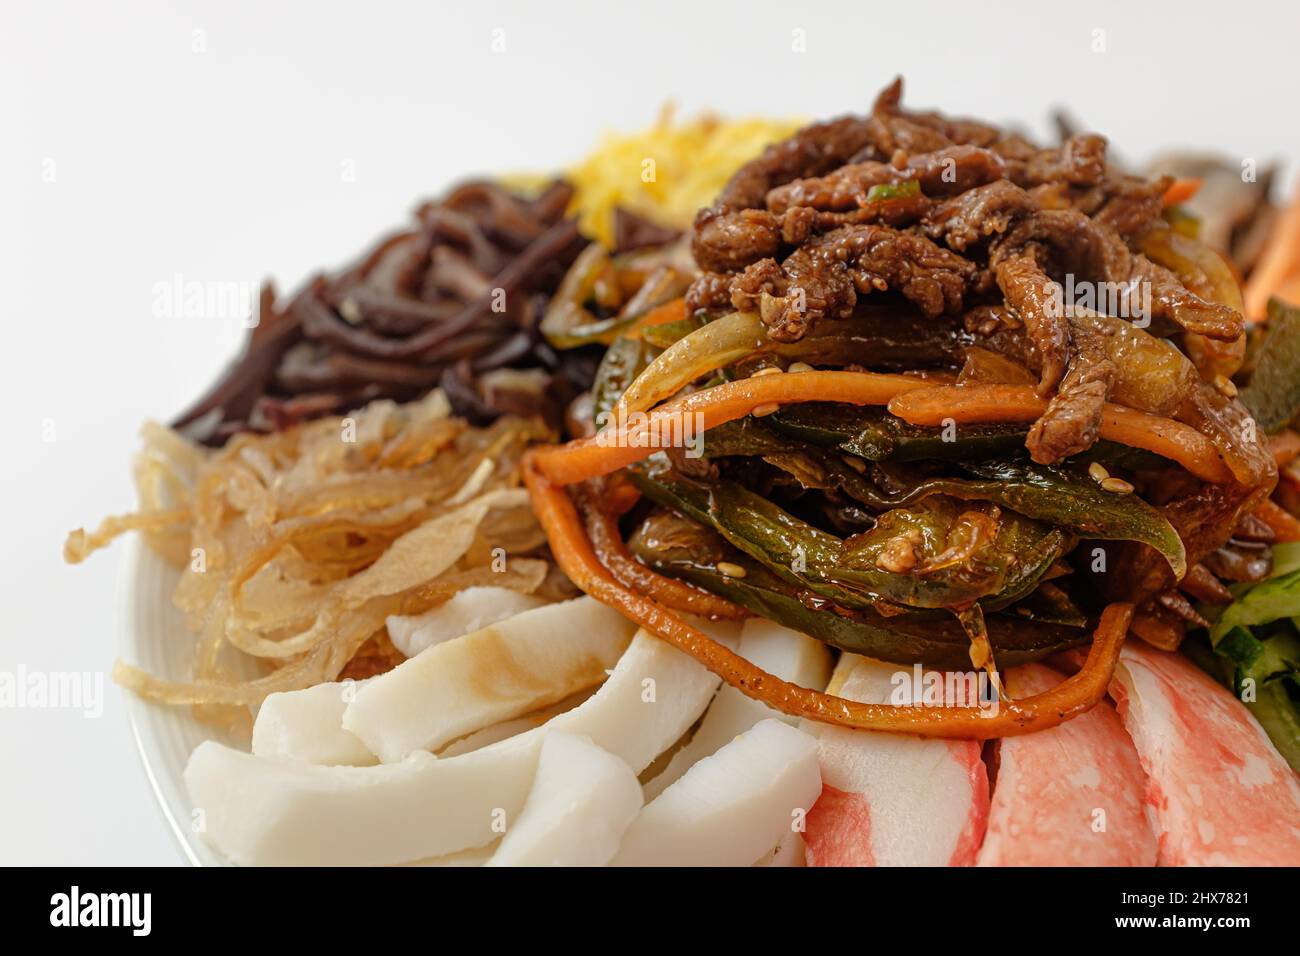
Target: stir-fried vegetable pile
898, 410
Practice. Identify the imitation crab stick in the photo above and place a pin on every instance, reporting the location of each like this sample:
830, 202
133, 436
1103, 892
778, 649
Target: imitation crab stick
1218, 792
623, 443
573, 551
892, 799
1070, 796
986, 404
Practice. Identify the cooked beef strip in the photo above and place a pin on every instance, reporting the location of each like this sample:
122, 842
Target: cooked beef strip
1128, 204
1072, 421
733, 240
1170, 299
894, 128
710, 291
813, 150
978, 214
1080, 161
1036, 300
943, 172
1071, 242
823, 276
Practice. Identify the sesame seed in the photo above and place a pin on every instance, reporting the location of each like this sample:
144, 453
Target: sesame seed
1098, 471
767, 370
730, 570
351, 312
761, 411
1117, 486
800, 367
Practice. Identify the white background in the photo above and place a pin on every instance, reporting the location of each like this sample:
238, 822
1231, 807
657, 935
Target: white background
218, 155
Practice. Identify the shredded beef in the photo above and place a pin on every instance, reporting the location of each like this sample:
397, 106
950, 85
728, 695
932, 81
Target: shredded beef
978, 214
968, 220
733, 240
1036, 301
822, 278
1072, 421
1080, 161
943, 172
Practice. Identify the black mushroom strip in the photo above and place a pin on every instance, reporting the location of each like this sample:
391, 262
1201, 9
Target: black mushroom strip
454, 301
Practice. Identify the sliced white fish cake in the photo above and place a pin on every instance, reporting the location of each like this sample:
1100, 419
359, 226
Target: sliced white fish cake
308, 725
1218, 792
499, 672
581, 801
893, 799
273, 811
776, 649
732, 807
469, 610
1068, 796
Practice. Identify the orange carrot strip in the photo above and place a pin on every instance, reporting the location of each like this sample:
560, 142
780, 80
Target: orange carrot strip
673, 311
966, 404
1181, 191
1073, 696
1285, 446
1278, 266
1017, 403
621, 497
623, 443
1285, 525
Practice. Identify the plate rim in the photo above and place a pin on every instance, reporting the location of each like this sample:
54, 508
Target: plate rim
143, 717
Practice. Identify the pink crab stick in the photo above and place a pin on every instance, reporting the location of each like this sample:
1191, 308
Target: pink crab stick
1218, 793
1069, 796
892, 799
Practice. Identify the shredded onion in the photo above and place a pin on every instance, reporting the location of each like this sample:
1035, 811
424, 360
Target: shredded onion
705, 350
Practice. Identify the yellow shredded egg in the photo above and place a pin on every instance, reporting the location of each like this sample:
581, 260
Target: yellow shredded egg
666, 172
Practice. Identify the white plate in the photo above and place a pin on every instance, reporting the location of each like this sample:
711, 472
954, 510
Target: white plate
154, 636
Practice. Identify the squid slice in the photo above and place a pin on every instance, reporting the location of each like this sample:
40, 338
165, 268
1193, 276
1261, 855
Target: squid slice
503, 671
731, 807
582, 800
1218, 793
1069, 796
273, 811
513, 727
893, 799
778, 650
466, 611
789, 852
654, 695
307, 725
